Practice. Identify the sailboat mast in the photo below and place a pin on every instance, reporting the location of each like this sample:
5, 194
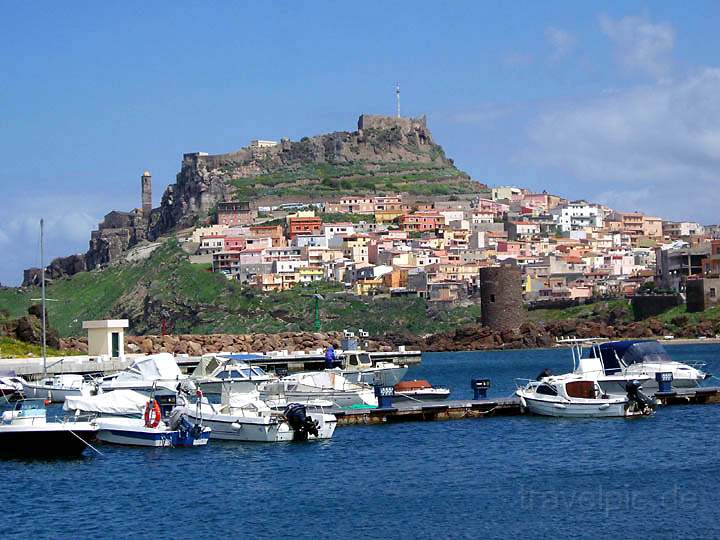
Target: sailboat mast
42, 281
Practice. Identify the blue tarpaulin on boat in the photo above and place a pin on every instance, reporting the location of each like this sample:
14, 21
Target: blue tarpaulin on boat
243, 356
631, 352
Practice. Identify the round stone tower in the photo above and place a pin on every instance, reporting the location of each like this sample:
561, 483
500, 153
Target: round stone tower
501, 297
146, 194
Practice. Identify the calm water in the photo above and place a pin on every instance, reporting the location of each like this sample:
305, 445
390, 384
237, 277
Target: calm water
491, 478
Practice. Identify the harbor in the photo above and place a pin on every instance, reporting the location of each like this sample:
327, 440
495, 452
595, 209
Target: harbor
499, 463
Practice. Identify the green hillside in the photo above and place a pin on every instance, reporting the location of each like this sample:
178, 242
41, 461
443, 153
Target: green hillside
195, 300
330, 180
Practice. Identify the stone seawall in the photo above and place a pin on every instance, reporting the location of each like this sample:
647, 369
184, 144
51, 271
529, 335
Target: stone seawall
196, 345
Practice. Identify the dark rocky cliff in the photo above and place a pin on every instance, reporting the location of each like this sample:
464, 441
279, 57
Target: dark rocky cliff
385, 155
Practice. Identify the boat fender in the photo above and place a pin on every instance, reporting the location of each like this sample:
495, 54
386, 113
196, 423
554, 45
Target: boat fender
152, 414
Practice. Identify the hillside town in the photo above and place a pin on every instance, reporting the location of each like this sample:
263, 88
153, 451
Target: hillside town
569, 252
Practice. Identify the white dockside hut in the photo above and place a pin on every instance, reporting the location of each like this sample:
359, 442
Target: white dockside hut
106, 338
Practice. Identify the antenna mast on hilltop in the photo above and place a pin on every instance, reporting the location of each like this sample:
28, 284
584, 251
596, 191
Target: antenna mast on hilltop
397, 97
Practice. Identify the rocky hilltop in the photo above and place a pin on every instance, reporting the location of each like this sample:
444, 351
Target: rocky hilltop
385, 155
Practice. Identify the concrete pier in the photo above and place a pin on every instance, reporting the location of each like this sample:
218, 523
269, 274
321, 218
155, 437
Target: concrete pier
32, 368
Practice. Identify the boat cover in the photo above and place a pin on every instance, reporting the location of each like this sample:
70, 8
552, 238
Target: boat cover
115, 402
634, 351
161, 366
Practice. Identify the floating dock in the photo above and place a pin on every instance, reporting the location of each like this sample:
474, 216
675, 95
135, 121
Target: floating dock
427, 411
430, 410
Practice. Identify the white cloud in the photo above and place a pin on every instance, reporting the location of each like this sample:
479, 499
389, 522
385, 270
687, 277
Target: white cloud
641, 45
69, 218
657, 145
516, 59
562, 42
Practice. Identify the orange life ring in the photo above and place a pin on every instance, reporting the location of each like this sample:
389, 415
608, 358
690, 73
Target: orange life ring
152, 414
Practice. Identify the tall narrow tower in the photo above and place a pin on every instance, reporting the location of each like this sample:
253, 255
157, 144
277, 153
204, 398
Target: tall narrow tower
397, 97
146, 194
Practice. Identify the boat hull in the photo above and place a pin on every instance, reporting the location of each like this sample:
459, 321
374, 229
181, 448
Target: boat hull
589, 409
425, 394
55, 395
134, 433
45, 441
385, 376
339, 397
261, 429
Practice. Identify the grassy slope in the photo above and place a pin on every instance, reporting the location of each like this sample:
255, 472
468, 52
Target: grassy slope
585, 311
326, 179
168, 279
12, 348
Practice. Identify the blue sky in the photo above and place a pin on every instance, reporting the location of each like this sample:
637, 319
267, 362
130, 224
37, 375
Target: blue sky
618, 102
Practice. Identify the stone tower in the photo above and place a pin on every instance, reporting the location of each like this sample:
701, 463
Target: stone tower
146, 194
501, 297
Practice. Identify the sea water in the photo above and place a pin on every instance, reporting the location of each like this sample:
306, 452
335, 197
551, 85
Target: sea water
480, 478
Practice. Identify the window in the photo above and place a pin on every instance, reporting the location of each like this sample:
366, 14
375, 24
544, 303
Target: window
713, 292
546, 390
492, 298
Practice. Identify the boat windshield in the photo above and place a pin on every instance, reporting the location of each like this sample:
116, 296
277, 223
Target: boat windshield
630, 352
546, 389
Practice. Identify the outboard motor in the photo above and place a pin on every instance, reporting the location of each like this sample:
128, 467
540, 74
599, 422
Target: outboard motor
179, 421
544, 373
300, 422
638, 399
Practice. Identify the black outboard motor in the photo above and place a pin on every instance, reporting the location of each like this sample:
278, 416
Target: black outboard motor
544, 373
300, 422
638, 399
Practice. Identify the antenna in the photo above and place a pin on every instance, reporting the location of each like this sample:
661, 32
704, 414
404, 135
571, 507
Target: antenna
42, 271
397, 97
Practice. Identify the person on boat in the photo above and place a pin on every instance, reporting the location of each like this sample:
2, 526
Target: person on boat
330, 358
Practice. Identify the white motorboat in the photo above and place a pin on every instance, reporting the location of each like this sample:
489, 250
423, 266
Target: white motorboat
572, 396
25, 431
419, 390
59, 387
222, 369
329, 385
358, 367
244, 417
11, 388
127, 417
146, 374
615, 363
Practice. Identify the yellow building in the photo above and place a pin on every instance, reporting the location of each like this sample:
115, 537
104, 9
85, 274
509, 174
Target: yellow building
387, 216
363, 287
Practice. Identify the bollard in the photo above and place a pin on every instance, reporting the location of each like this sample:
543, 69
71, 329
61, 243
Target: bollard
480, 388
664, 380
384, 395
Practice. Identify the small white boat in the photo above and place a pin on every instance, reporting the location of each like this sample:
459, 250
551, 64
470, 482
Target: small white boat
244, 417
127, 417
318, 385
217, 370
25, 431
59, 387
358, 367
615, 363
146, 374
136, 432
419, 390
572, 396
